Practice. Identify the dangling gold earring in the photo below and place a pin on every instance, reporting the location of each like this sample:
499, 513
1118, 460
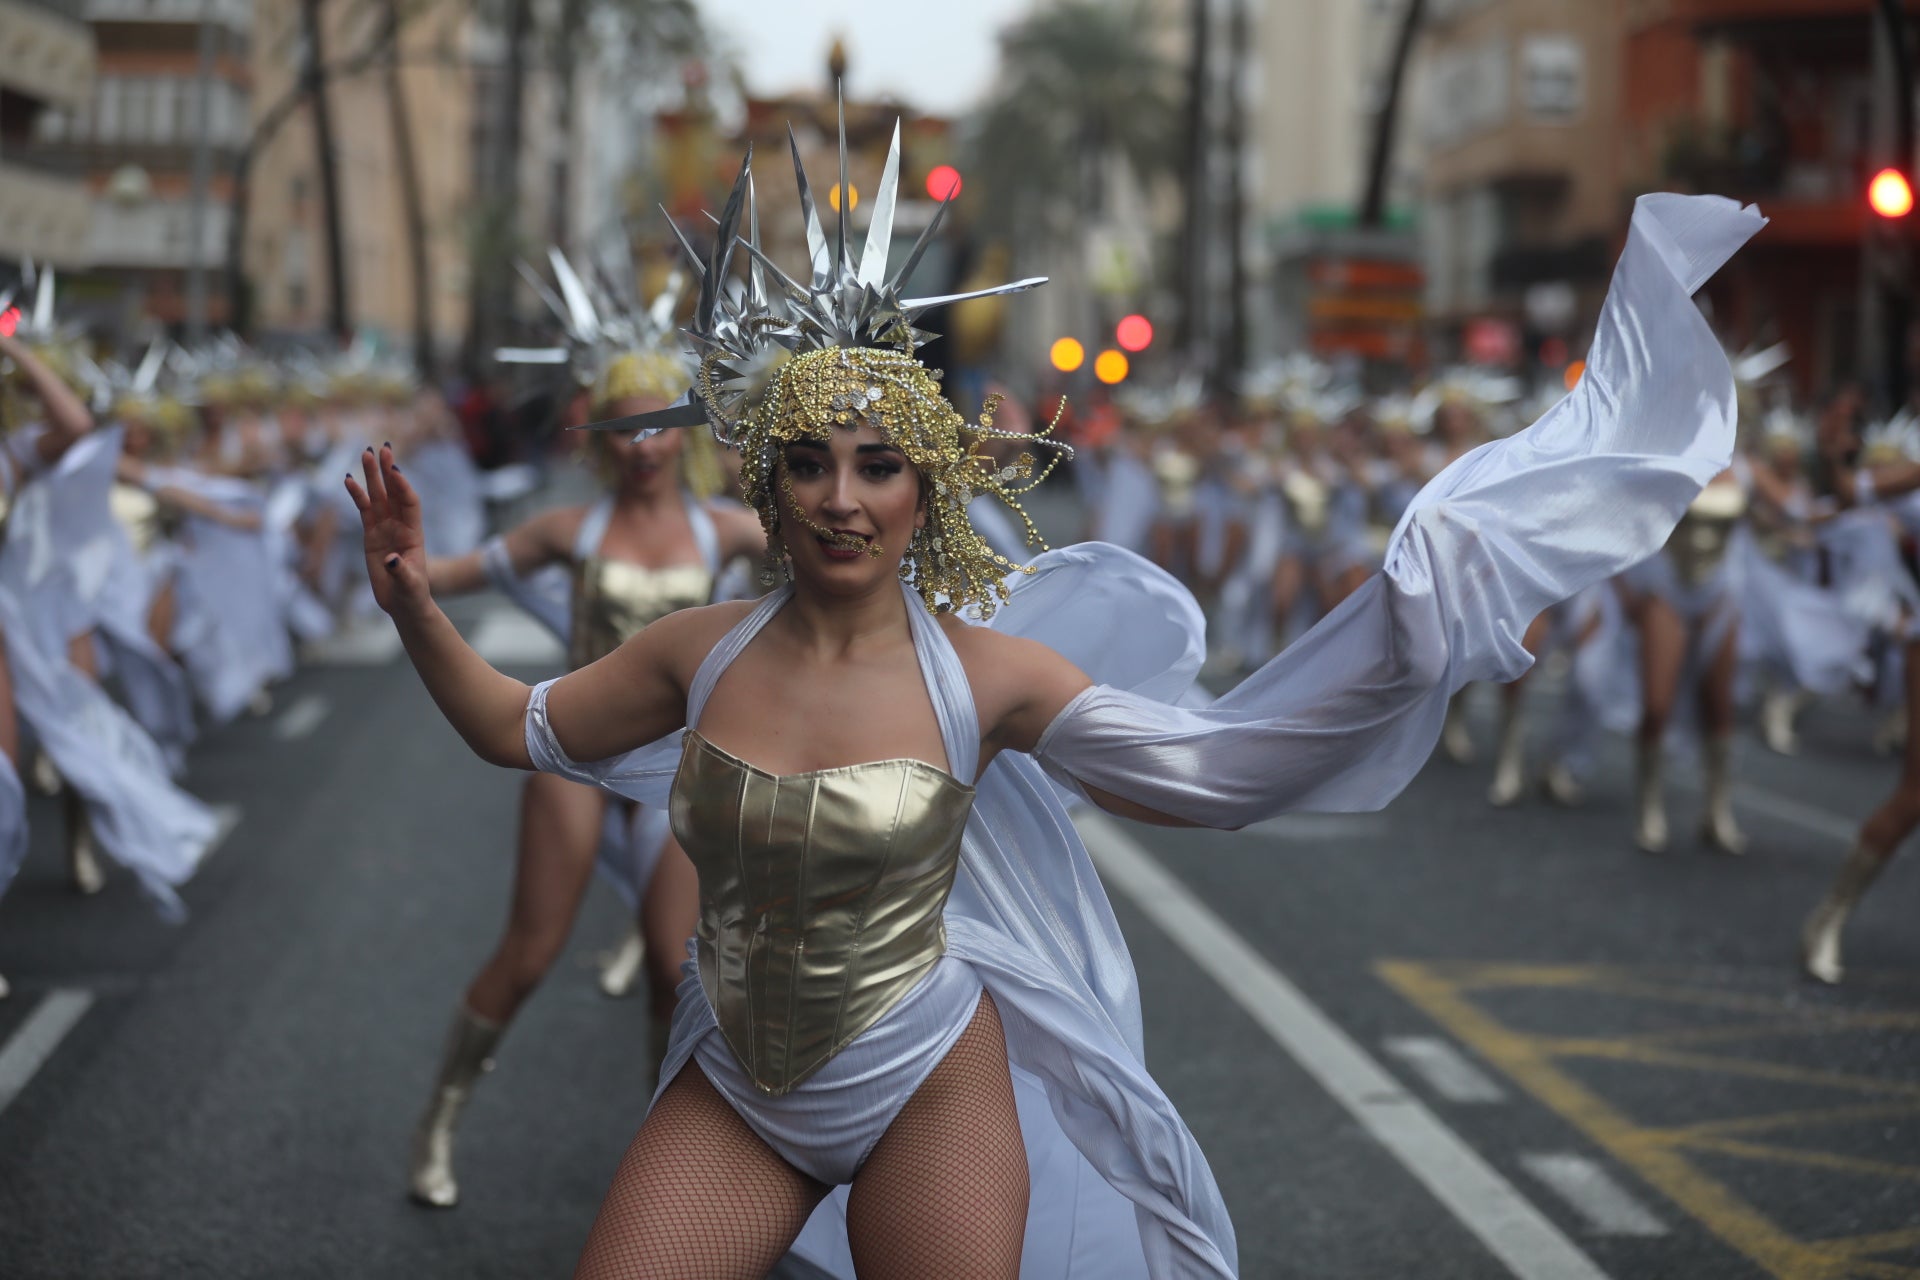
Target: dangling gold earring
776, 561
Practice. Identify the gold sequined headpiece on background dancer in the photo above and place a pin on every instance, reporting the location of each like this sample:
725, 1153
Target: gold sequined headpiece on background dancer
801, 360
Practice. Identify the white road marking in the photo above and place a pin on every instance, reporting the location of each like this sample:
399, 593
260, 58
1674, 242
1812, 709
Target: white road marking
1485, 1203
363, 642
36, 1039
1805, 816
302, 718
1591, 1191
508, 637
1445, 1069
1320, 826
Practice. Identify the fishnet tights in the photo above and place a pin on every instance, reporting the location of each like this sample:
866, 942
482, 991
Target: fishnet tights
944, 1191
699, 1196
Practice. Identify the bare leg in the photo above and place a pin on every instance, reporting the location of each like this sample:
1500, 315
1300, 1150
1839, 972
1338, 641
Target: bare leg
559, 832
1716, 724
1663, 651
945, 1190
1880, 838
160, 616
1509, 760
81, 653
698, 1196
1289, 576
83, 861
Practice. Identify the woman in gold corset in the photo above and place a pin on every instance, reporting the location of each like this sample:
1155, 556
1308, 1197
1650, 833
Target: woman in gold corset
899, 933
1684, 603
647, 549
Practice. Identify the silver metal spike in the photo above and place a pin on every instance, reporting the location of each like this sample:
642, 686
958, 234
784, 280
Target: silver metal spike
583, 320
660, 314
684, 414
816, 234
43, 301
920, 245
913, 306
756, 274
147, 376
531, 355
539, 286
699, 267
873, 259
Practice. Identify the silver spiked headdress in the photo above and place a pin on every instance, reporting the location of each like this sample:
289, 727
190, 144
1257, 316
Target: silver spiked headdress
736, 331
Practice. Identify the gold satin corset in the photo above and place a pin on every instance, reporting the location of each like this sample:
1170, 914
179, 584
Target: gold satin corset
1699, 543
615, 600
138, 513
821, 896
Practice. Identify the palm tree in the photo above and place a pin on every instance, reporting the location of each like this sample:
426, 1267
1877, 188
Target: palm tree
1083, 84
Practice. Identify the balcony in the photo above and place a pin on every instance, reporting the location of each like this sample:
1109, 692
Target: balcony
42, 216
45, 54
236, 15
155, 233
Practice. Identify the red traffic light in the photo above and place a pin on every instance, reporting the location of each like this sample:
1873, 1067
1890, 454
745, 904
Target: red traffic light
1890, 194
1134, 333
943, 182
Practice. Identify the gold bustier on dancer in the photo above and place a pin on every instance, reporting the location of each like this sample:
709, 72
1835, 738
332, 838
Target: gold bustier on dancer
1699, 543
615, 600
821, 896
138, 513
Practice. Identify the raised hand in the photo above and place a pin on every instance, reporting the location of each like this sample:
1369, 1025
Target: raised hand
391, 530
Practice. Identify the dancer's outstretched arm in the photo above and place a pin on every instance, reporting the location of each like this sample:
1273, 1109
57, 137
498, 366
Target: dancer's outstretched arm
67, 417
532, 544
627, 699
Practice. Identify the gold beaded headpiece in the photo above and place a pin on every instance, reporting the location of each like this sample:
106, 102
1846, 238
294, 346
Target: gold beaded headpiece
851, 339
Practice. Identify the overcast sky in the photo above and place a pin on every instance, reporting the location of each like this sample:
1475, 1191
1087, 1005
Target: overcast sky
937, 56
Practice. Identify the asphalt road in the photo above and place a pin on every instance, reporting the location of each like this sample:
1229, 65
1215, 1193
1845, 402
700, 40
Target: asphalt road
1441, 1041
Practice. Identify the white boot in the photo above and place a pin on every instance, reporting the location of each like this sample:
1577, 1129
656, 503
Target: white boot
1561, 786
1509, 770
1718, 827
622, 965
468, 1053
45, 778
1777, 712
1820, 936
1454, 738
1650, 831
1891, 737
83, 860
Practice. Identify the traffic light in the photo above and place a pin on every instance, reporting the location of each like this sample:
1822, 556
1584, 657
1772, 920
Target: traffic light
1067, 354
1890, 194
1134, 333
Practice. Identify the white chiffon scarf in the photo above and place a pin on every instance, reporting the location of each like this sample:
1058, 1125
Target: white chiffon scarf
1340, 721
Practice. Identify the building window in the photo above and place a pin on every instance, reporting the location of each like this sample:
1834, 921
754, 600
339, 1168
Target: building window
1553, 81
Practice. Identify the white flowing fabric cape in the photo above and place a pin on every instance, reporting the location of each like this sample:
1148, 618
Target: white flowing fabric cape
58, 554
1340, 721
